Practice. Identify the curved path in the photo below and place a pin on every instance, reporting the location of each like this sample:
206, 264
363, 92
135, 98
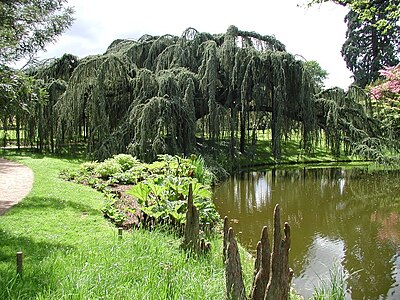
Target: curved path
15, 183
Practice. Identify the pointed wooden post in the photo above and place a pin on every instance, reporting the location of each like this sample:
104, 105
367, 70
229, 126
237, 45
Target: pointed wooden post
120, 232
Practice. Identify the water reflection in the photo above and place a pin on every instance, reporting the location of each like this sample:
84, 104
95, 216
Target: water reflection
323, 255
347, 217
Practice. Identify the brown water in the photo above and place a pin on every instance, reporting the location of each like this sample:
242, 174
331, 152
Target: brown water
341, 219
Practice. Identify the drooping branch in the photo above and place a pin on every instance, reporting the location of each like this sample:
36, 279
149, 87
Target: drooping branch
155, 94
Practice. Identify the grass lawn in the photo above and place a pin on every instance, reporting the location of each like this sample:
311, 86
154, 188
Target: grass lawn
72, 252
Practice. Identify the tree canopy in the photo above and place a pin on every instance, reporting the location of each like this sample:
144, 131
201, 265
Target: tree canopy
26, 27
368, 9
317, 74
152, 95
179, 94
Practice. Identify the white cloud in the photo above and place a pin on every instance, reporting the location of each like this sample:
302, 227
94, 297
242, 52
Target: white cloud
316, 33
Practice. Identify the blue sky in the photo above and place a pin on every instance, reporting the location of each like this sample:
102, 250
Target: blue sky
315, 33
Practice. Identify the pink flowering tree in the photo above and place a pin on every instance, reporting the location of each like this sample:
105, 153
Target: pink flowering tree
386, 97
390, 88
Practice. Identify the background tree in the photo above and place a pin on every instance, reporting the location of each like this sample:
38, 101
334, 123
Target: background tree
372, 37
317, 74
366, 9
26, 27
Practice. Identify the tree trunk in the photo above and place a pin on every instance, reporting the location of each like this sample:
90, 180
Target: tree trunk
5, 129
18, 130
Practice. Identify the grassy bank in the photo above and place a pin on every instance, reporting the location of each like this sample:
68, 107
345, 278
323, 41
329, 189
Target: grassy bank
72, 252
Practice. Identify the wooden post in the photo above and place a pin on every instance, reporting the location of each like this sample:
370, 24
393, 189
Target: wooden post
19, 263
120, 232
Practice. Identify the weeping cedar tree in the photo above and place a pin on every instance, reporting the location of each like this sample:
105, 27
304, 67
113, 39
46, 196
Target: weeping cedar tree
170, 94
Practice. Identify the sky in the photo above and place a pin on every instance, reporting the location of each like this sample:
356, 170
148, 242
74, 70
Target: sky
315, 33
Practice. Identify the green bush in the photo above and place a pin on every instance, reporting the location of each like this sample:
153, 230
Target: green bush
89, 166
126, 161
108, 168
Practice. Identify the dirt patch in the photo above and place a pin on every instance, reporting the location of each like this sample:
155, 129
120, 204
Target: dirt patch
15, 183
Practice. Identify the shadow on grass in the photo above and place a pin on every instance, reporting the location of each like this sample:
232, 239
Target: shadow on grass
78, 156
42, 241
40, 204
36, 275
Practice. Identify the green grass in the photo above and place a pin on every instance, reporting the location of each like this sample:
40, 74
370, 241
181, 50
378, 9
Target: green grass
333, 287
291, 153
72, 252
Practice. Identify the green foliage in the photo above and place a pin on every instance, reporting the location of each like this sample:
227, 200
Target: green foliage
141, 191
349, 125
111, 212
28, 26
368, 10
108, 168
155, 95
368, 49
334, 286
126, 161
162, 194
316, 72
195, 93
22, 102
164, 198
161, 188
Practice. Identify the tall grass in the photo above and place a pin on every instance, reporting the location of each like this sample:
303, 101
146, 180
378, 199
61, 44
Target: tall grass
334, 286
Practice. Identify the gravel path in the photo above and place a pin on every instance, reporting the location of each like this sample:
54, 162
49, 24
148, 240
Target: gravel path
15, 183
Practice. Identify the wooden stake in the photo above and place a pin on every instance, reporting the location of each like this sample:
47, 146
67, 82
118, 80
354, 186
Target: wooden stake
19, 263
120, 232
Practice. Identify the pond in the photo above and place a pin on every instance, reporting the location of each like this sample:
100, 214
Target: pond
342, 219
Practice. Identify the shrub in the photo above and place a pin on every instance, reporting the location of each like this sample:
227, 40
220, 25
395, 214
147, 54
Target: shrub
108, 168
126, 161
